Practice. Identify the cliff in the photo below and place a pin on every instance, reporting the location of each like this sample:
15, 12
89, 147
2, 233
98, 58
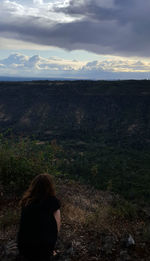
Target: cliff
118, 111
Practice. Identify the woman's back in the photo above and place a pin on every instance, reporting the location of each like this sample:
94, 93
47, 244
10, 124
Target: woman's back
38, 228
38, 225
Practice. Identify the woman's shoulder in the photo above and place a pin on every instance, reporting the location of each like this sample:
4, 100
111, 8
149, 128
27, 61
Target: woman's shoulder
51, 202
54, 202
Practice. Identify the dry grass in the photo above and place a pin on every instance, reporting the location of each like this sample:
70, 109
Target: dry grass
9, 218
85, 207
74, 214
82, 208
100, 219
87, 215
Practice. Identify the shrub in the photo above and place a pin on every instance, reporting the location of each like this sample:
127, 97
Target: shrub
20, 161
11, 217
124, 209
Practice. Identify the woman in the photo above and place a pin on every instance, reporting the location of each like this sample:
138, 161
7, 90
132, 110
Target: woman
40, 220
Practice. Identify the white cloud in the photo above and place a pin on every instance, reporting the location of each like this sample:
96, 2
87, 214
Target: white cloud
12, 11
37, 64
38, 2
23, 65
15, 59
2, 66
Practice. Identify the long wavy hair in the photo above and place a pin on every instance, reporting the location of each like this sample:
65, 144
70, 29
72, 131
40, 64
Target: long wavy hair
40, 188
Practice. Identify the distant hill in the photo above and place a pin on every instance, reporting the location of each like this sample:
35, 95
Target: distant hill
116, 111
28, 79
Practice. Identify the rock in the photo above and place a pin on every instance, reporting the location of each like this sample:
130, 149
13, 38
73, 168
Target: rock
2, 251
147, 212
94, 258
124, 256
130, 241
10, 251
127, 241
70, 251
77, 244
11, 248
108, 244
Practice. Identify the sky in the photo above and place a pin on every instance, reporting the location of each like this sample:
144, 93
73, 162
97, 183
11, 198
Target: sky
92, 39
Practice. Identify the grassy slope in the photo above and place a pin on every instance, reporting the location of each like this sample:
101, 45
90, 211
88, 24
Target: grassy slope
89, 218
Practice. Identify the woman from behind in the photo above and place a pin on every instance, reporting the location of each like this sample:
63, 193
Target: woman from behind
40, 220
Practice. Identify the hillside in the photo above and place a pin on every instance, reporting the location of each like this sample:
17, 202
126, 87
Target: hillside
94, 138
99, 130
118, 112
96, 226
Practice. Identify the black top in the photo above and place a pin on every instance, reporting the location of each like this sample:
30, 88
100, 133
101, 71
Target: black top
38, 227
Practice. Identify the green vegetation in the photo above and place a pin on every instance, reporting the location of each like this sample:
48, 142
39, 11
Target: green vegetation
97, 132
9, 218
124, 209
116, 112
124, 172
20, 161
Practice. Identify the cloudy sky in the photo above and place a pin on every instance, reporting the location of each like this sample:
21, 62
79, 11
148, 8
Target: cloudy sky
96, 39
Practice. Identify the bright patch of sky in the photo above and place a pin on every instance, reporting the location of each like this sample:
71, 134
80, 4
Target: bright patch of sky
73, 55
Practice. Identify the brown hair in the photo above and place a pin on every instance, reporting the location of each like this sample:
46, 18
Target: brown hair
40, 188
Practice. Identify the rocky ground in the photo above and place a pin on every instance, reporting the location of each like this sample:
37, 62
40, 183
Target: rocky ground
93, 227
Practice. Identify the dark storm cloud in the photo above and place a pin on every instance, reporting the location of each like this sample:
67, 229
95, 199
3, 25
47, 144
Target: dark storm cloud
118, 29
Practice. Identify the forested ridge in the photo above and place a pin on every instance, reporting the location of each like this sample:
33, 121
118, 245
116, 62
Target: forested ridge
116, 111
102, 128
